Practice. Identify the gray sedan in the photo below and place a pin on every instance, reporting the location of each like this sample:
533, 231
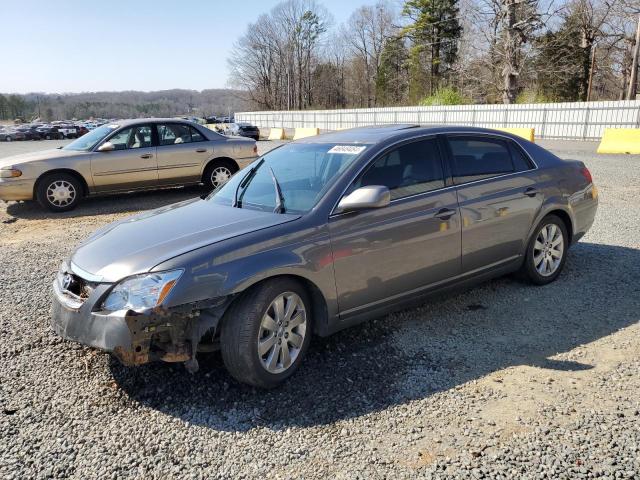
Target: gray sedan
125, 156
318, 235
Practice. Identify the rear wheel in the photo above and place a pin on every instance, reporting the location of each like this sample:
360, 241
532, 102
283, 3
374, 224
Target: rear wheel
547, 251
59, 192
218, 173
266, 333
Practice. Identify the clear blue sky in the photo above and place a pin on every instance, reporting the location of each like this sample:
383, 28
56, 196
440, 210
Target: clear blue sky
61, 46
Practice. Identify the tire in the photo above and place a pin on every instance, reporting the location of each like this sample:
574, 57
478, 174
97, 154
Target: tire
47, 137
216, 169
553, 254
8, 139
243, 329
51, 187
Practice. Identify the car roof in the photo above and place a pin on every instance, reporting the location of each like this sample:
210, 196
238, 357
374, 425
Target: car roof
383, 133
135, 121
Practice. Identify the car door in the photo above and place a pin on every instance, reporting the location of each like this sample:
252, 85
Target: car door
132, 163
182, 151
498, 198
386, 254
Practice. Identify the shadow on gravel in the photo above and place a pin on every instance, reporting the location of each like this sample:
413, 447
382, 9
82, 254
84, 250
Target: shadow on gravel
414, 353
107, 205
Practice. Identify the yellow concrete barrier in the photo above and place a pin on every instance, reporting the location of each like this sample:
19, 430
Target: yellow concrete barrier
276, 134
620, 140
305, 132
526, 133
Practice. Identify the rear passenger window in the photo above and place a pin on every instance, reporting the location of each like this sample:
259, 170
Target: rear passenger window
408, 170
520, 161
478, 158
174, 134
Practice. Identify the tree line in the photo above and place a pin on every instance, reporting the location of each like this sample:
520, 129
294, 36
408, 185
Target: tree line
129, 104
438, 52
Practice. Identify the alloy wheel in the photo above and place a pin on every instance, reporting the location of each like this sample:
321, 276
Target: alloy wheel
61, 193
220, 176
548, 250
282, 332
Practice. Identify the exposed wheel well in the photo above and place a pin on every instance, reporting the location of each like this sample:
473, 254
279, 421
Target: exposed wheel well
564, 216
318, 303
218, 160
68, 171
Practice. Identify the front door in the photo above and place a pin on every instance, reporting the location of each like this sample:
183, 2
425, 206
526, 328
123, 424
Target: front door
182, 151
386, 254
131, 165
497, 196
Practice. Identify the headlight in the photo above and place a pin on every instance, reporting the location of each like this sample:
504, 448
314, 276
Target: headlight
142, 291
8, 172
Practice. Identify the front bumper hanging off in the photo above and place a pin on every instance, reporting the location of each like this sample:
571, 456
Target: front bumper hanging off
135, 338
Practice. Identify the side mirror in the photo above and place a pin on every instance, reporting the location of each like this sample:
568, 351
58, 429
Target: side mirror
373, 196
106, 147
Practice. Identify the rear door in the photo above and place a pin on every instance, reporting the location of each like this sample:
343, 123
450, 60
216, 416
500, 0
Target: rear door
497, 195
385, 254
131, 165
182, 152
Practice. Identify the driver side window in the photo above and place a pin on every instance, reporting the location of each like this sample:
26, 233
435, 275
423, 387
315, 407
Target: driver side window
410, 169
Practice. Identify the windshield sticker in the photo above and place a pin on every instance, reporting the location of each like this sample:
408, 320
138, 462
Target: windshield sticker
347, 149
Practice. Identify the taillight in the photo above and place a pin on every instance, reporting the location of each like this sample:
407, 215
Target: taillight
586, 174
255, 149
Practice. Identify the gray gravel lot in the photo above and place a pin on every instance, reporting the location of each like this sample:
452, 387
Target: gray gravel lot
502, 381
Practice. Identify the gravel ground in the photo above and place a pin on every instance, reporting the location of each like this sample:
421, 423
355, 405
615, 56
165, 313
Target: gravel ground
502, 381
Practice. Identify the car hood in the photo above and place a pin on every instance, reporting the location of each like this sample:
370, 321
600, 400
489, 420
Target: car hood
139, 243
38, 156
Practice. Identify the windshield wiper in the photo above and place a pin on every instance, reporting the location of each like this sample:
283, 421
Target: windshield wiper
237, 202
279, 198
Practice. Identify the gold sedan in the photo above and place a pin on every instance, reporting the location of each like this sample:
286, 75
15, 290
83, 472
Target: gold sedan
125, 156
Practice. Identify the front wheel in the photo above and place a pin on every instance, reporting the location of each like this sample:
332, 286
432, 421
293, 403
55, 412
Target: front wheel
547, 251
266, 333
59, 192
8, 139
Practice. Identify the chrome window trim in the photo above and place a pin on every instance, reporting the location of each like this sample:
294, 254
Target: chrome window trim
435, 136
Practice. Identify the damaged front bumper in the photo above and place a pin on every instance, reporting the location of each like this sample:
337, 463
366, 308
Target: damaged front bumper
135, 338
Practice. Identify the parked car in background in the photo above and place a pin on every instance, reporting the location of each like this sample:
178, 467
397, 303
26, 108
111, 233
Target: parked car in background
49, 132
11, 135
67, 131
318, 235
81, 130
122, 157
30, 132
244, 130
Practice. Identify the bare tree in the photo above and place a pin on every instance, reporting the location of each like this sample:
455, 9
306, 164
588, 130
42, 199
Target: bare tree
365, 34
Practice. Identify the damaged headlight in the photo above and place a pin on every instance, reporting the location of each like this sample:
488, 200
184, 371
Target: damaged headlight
142, 291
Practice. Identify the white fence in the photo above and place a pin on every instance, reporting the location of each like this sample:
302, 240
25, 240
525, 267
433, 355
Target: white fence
577, 120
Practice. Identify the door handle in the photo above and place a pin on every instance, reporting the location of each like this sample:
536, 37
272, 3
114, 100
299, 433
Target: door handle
146, 155
445, 214
531, 192
201, 150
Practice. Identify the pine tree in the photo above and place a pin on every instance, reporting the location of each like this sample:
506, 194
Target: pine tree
391, 85
434, 32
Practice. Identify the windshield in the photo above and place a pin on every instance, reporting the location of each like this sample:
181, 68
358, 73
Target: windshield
91, 139
303, 173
